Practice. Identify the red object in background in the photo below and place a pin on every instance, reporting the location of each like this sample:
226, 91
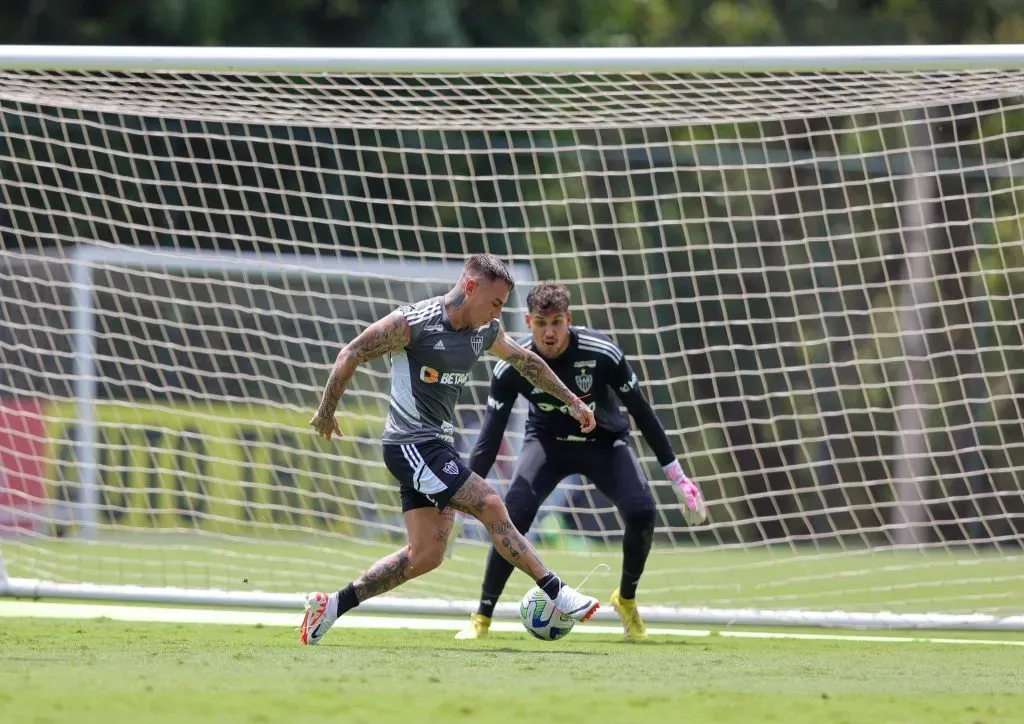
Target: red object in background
22, 453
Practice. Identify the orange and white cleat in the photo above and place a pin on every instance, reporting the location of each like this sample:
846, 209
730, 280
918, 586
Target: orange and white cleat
321, 613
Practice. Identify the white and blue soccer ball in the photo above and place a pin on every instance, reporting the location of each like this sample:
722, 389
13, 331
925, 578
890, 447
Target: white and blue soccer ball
541, 618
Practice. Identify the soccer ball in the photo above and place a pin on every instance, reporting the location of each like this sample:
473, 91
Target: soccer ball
541, 618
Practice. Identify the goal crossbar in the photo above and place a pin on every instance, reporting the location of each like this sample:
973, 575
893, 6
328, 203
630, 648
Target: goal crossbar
822, 59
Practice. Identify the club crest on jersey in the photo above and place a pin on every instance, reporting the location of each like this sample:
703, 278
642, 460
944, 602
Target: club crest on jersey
477, 343
451, 467
584, 381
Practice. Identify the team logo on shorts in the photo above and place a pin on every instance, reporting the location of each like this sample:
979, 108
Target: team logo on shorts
477, 343
451, 467
584, 381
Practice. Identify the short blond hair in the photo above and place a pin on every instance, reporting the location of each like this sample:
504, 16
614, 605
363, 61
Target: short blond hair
489, 266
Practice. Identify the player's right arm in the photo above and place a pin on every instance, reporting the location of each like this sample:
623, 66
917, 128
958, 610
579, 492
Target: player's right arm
536, 371
500, 399
384, 336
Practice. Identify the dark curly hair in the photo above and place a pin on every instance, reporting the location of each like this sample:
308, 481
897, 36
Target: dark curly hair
548, 298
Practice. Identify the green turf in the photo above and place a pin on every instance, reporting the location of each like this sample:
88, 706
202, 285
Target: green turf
781, 577
104, 671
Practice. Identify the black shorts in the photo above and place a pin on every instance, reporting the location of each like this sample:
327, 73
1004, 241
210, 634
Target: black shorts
428, 473
610, 465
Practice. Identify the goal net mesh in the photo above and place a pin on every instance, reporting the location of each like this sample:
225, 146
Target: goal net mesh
819, 278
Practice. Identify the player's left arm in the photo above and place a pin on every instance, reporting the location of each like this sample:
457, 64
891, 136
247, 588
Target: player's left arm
627, 387
536, 371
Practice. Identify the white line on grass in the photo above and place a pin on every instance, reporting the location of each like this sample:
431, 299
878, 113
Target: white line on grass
77, 611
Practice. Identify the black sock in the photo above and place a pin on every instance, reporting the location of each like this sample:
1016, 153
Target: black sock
551, 585
627, 585
487, 603
347, 599
496, 575
636, 545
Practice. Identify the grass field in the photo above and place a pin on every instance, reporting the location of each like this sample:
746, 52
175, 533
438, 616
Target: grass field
87, 671
780, 577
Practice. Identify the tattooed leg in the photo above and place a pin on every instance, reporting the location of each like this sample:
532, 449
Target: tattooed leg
428, 535
480, 500
387, 573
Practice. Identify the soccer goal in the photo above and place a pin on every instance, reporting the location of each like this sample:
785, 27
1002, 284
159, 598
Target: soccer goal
812, 256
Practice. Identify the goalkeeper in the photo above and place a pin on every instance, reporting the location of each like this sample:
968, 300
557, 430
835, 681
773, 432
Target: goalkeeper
594, 367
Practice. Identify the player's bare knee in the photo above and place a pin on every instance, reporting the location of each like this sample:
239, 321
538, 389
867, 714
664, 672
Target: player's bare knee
425, 558
479, 500
492, 510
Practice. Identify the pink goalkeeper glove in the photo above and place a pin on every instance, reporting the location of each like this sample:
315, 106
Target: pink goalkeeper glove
694, 510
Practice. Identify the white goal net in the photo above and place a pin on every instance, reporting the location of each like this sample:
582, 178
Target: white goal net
815, 266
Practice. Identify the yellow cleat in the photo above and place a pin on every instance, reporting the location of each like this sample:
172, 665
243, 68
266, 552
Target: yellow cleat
478, 628
632, 624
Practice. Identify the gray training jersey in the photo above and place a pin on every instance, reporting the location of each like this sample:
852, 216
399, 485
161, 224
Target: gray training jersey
428, 375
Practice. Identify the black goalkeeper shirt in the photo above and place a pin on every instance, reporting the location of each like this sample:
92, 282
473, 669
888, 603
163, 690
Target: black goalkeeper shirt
594, 368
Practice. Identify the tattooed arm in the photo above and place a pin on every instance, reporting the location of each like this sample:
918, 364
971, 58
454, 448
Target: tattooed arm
530, 365
383, 336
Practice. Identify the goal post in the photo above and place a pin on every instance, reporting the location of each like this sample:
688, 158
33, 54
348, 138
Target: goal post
83, 259
811, 256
